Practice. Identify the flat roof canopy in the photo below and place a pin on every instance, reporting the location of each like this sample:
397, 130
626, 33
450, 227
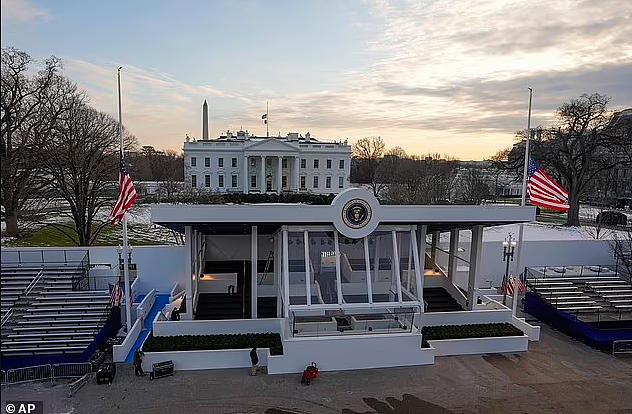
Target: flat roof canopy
238, 219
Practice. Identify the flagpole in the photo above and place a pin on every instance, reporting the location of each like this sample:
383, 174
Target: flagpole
523, 202
128, 305
267, 121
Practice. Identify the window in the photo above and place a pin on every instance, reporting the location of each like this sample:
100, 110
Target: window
233, 162
328, 182
194, 180
207, 161
303, 163
253, 181
315, 163
284, 163
253, 162
316, 182
303, 181
234, 181
207, 181
220, 162
220, 181
193, 161
342, 164
268, 162
284, 181
341, 182
328, 163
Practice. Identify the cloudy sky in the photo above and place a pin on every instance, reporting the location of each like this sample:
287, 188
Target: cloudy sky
430, 76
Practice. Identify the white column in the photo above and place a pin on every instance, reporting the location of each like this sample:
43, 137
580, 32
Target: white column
262, 185
454, 253
308, 268
297, 173
254, 245
286, 275
279, 175
421, 256
433, 246
367, 265
475, 266
398, 280
338, 276
188, 273
278, 279
419, 268
246, 179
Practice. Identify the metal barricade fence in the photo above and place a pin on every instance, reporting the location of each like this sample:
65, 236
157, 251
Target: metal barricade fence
622, 346
28, 374
46, 372
71, 370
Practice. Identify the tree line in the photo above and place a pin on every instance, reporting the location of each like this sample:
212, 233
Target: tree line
588, 150
60, 155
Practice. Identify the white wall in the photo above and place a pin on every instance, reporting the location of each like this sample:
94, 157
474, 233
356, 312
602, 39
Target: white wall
351, 352
472, 346
539, 253
120, 352
233, 326
159, 267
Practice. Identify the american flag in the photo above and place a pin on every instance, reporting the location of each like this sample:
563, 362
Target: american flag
543, 191
512, 283
127, 193
116, 295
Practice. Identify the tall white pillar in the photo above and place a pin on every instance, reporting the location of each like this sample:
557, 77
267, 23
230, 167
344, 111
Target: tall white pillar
475, 266
254, 245
422, 230
188, 272
419, 267
286, 275
246, 179
278, 279
454, 253
279, 175
262, 185
297, 173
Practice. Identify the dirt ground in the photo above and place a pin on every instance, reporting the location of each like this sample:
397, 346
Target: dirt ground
557, 375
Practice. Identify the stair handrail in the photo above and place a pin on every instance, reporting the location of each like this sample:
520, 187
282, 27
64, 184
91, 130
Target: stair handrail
267, 267
27, 291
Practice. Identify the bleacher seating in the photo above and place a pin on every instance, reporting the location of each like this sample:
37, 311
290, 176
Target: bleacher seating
582, 289
53, 318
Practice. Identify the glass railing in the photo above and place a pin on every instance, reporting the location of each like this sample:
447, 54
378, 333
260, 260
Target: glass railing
367, 322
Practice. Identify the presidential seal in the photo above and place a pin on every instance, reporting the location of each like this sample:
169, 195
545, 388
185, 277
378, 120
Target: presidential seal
356, 213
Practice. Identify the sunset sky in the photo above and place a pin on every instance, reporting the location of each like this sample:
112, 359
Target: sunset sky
437, 76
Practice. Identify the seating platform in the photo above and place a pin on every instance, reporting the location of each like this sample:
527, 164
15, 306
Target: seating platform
54, 318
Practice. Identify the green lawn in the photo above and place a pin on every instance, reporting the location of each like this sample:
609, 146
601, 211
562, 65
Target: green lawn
139, 235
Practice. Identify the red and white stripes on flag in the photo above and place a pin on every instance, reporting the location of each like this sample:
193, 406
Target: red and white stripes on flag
127, 194
543, 191
510, 286
116, 295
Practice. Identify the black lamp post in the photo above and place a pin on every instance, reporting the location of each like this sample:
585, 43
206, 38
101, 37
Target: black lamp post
509, 246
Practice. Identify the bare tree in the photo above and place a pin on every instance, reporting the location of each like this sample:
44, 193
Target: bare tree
473, 186
367, 153
170, 172
499, 166
577, 150
30, 106
422, 180
81, 158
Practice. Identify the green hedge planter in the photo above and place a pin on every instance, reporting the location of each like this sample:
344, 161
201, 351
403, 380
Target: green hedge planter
487, 330
209, 342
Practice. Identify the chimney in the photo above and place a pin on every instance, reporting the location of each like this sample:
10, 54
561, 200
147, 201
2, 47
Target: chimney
205, 121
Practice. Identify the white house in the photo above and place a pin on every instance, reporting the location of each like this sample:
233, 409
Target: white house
245, 163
